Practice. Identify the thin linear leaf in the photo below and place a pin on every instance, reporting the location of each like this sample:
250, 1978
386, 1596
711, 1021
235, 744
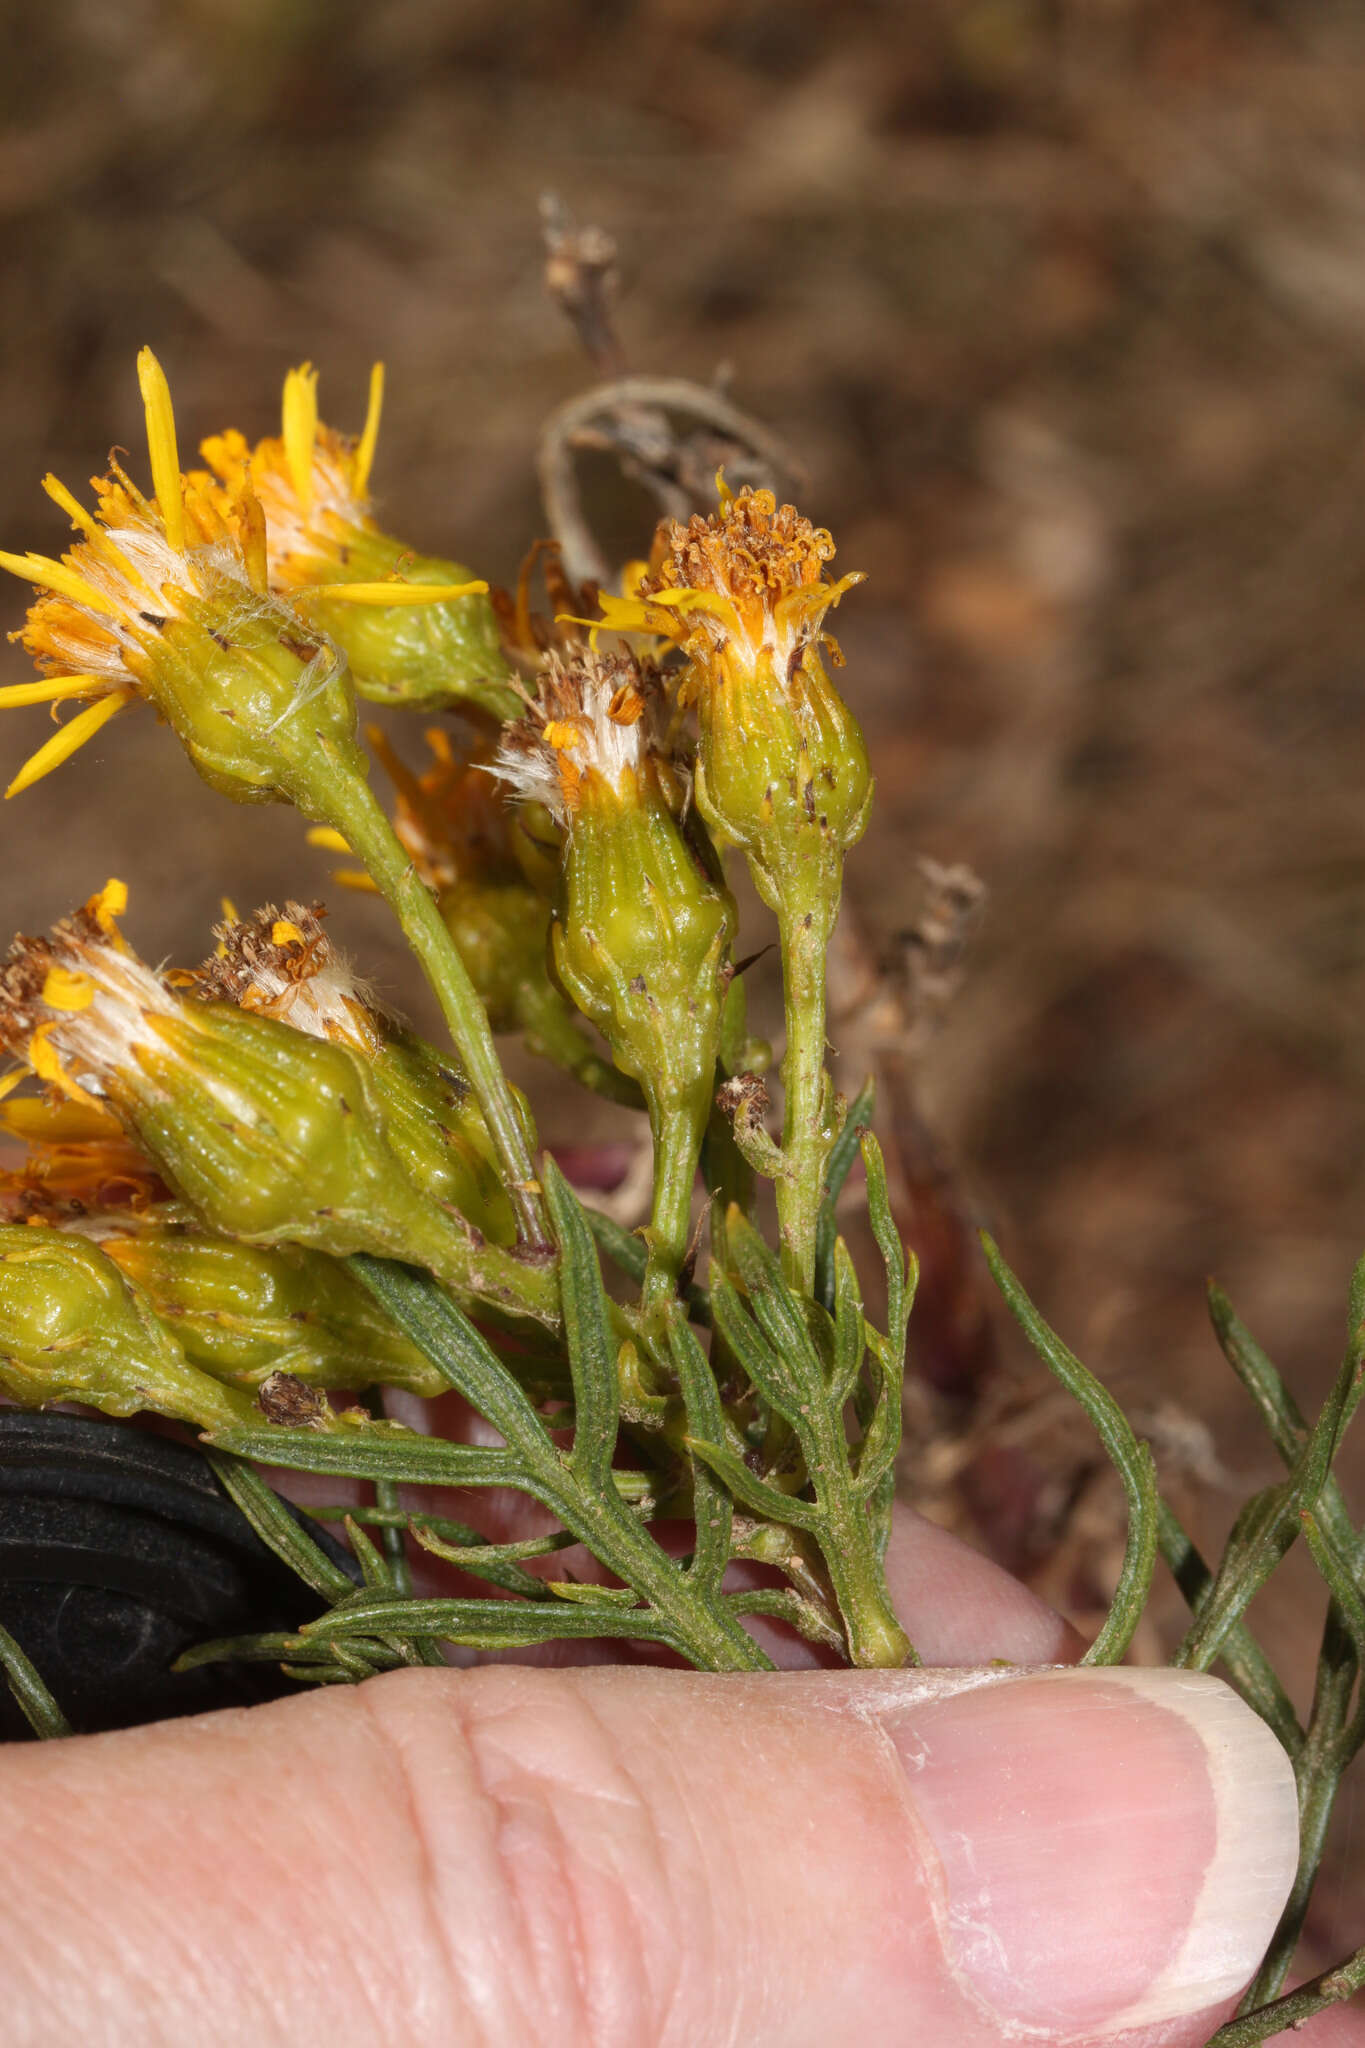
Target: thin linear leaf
842, 1154
1250, 1670
494, 1624
850, 1327
395, 1453
1268, 1524
592, 1354
1332, 1987
30, 1695
1132, 1461
784, 1604
1280, 1412
426, 1315
278, 1528
712, 1505
902, 1267
754, 1492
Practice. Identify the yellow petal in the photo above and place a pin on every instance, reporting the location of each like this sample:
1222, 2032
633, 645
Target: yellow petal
53, 1123
363, 460
52, 689
42, 1057
327, 836
56, 576
161, 448
355, 878
107, 905
300, 416
390, 593
63, 989
7, 1082
65, 743
283, 933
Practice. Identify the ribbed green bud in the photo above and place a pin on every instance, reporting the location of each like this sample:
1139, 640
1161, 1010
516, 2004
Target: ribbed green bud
73, 1329
782, 773
434, 1126
638, 941
252, 693
243, 1312
425, 657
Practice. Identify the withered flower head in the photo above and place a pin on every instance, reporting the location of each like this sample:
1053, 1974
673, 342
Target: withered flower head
590, 734
282, 964
78, 1005
745, 585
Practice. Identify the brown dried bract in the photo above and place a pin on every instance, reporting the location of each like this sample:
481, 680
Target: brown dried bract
255, 950
289, 1403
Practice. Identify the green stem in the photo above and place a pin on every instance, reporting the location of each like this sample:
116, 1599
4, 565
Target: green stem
806, 1140
1317, 1773
677, 1143
548, 1026
344, 800
847, 1543
1332, 1987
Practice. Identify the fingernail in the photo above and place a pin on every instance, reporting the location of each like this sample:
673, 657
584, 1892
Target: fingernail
1115, 1846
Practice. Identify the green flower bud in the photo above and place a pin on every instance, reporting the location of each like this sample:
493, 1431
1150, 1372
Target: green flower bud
282, 965
73, 1329
243, 1312
640, 926
269, 1133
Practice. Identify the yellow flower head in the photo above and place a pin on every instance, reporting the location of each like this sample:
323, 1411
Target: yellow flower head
326, 554
313, 483
591, 733
744, 587
169, 597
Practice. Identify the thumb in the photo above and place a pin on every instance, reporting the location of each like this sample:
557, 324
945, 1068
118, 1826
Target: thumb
625, 1855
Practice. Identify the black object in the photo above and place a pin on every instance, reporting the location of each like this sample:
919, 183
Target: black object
119, 1550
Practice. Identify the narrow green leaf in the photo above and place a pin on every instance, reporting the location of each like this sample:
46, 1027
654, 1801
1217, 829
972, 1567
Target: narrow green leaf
1250, 1670
587, 1332
493, 1624
850, 1327
712, 1505
31, 1696
778, 1311
1268, 1524
783, 1604
842, 1154
902, 1267
426, 1314
1132, 1461
755, 1493
395, 1453
1280, 1412
278, 1528
760, 1360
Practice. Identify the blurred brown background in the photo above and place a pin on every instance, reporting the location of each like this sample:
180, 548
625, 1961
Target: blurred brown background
1062, 306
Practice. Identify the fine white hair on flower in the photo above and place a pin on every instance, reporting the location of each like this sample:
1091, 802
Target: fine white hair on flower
594, 716
282, 964
78, 1005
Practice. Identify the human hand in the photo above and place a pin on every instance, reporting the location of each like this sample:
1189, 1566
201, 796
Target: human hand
611, 1854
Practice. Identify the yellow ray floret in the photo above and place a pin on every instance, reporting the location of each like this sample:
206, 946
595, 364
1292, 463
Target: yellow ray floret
300, 422
65, 743
391, 593
161, 447
363, 460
